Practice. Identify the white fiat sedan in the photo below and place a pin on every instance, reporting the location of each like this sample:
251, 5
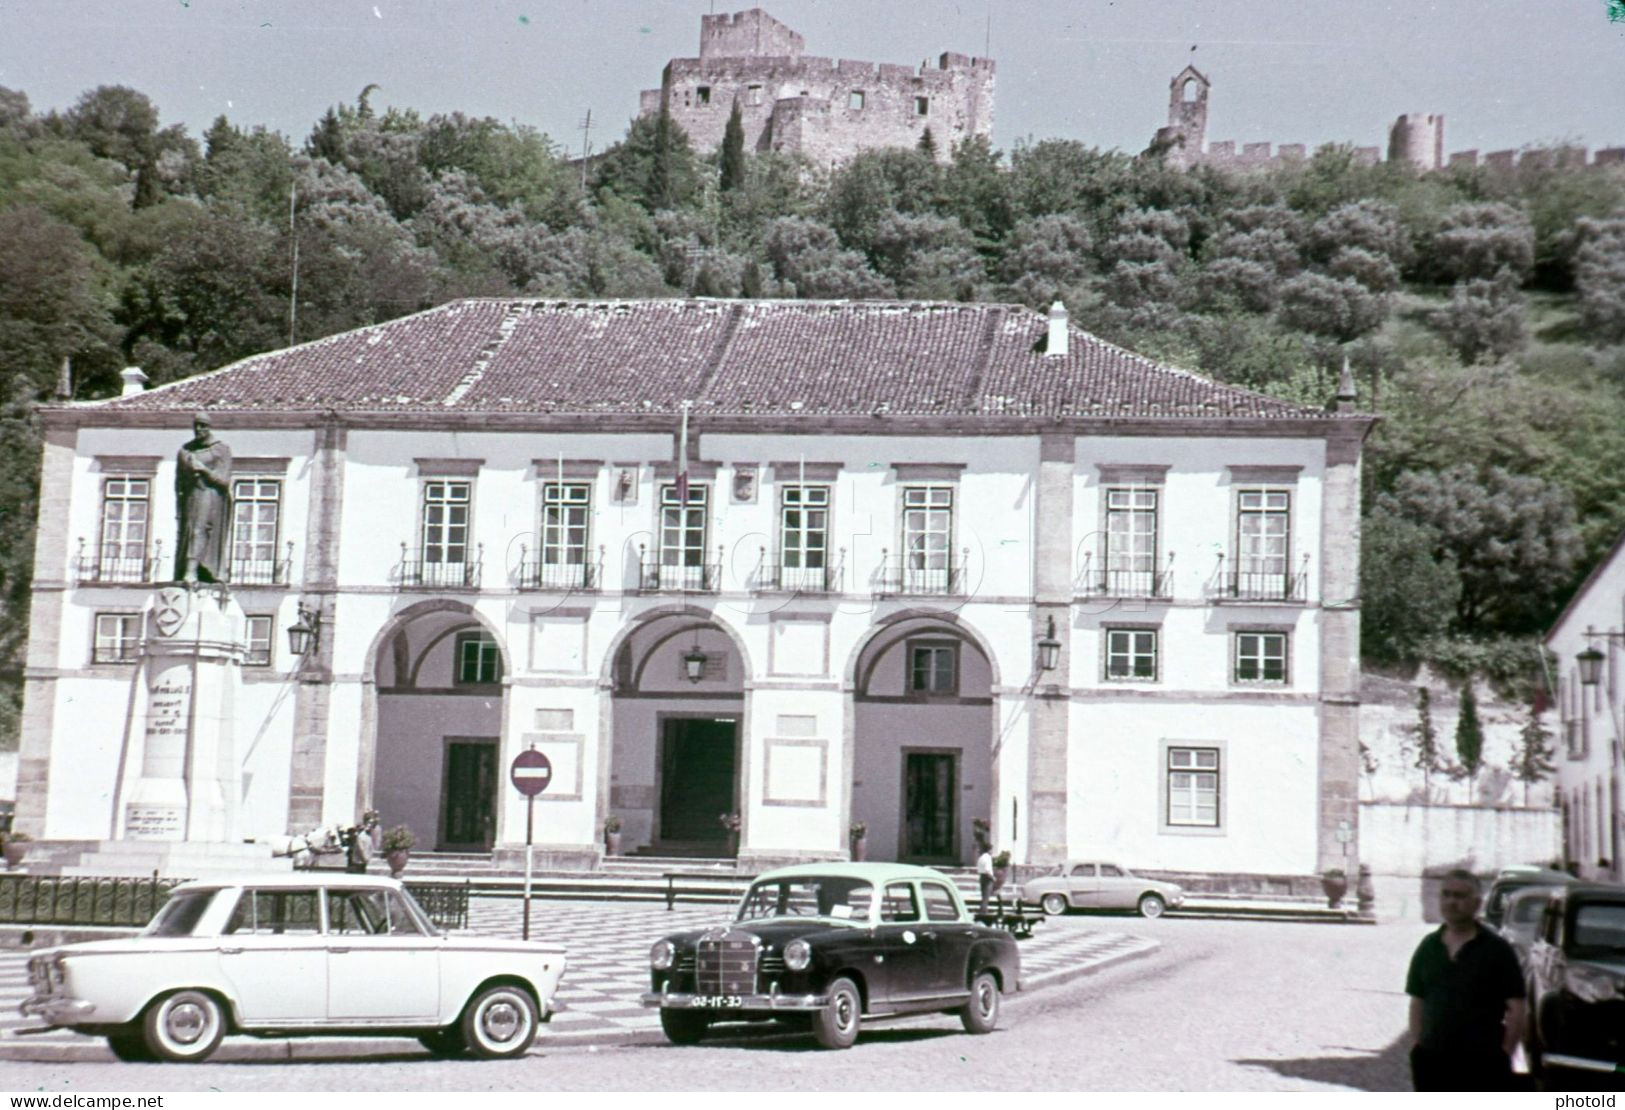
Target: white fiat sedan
292, 955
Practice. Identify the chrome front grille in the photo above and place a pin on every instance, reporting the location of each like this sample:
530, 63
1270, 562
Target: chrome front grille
725, 964
771, 963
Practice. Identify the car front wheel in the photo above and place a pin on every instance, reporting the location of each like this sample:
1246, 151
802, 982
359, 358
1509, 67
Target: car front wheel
499, 1023
1152, 905
184, 1027
1054, 904
836, 1025
684, 1026
981, 1013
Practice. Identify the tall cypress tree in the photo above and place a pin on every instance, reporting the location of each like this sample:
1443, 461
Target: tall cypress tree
733, 152
1469, 737
1427, 742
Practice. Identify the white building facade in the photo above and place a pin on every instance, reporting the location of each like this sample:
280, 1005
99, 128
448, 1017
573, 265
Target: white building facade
911, 565
1591, 719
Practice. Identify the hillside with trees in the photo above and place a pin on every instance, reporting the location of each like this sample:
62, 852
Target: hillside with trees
1482, 311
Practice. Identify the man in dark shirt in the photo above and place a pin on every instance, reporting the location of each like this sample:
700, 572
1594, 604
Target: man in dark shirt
1467, 998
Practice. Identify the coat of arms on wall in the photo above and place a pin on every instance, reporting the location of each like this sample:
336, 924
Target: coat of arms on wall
170, 610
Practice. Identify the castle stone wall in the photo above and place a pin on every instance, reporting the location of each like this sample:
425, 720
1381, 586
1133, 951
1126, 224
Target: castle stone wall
748, 34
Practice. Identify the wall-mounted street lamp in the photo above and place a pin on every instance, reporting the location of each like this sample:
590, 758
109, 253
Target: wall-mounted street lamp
1049, 649
305, 633
694, 660
1591, 660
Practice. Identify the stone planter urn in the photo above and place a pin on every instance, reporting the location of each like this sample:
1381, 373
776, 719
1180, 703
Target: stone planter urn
858, 841
1334, 884
612, 836
397, 861
397, 847
14, 851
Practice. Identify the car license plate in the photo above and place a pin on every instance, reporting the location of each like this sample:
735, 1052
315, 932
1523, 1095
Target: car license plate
717, 1001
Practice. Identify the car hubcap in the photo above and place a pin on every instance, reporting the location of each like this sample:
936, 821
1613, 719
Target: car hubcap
985, 996
501, 1022
185, 1023
843, 1011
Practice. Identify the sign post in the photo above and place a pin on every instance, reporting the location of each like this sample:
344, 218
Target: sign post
530, 774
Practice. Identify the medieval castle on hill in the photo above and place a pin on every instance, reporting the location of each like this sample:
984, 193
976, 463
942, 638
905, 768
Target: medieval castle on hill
825, 108
829, 109
1415, 138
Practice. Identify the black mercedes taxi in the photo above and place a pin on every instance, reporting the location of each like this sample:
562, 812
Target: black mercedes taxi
831, 946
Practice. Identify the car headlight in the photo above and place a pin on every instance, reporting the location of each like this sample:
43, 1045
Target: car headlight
797, 955
662, 955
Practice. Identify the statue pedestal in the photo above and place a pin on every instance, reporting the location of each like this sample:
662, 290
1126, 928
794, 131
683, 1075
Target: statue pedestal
182, 777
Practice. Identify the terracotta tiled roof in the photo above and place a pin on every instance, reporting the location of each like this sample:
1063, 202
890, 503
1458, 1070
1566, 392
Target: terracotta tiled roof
808, 357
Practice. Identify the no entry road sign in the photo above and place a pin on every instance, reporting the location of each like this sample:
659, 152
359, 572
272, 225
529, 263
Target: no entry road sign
531, 772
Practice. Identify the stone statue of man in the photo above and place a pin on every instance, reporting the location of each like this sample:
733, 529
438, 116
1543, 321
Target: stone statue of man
203, 506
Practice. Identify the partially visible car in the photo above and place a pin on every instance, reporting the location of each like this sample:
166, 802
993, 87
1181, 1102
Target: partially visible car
285, 955
1576, 968
1509, 879
832, 946
1524, 911
1097, 885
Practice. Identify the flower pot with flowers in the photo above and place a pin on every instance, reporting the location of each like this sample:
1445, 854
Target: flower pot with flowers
612, 836
397, 849
858, 838
730, 824
1001, 869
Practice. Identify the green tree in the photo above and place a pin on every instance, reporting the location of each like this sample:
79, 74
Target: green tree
653, 166
1481, 240
1532, 763
1337, 308
1600, 277
927, 144
976, 191
733, 152
1469, 738
1425, 756
1485, 318
1408, 593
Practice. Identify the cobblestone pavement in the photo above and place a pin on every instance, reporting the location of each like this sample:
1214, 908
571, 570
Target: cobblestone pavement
608, 966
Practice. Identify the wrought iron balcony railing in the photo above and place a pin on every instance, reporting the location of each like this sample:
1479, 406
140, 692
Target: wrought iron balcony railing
117, 568
777, 577
551, 575
263, 572
657, 575
1274, 586
1113, 580
920, 574
434, 568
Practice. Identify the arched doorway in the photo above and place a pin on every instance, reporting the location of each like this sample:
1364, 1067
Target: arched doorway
922, 740
677, 742
436, 763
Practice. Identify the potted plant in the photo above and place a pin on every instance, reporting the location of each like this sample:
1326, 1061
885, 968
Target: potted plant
730, 823
1335, 884
397, 848
858, 837
1001, 869
612, 836
14, 845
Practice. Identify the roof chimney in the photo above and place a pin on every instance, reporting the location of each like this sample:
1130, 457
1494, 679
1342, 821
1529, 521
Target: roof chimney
1055, 342
1345, 388
135, 380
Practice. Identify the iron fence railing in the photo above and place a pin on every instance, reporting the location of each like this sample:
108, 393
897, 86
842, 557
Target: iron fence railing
544, 575
777, 577
1095, 580
106, 568
920, 574
263, 572
131, 902
656, 575
433, 569
1269, 586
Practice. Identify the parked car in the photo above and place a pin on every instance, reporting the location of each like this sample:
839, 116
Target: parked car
303, 954
835, 945
1509, 879
1093, 885
1524, 910
1576, 970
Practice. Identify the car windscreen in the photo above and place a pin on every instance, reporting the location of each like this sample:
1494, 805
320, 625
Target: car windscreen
841, 898
1599, 929
180, 915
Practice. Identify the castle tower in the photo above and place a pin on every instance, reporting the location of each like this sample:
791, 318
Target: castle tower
1417, 139
748, 34
1185, 137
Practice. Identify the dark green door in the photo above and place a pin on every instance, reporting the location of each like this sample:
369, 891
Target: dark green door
930, 787
468, 819
697, 763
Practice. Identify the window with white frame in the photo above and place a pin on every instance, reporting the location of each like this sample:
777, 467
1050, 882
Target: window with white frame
479, 662
126, 517
933, 667
566, 516
928, 529
683, 526
1131, 653
803, 535
257, 651
1193, 787
256, 505
445, 523
118, 638
1263, 537
1131, 541
1261, 657
753, 95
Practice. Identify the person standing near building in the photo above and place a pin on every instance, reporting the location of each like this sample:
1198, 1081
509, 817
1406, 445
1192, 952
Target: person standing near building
1467, 998
984, 872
